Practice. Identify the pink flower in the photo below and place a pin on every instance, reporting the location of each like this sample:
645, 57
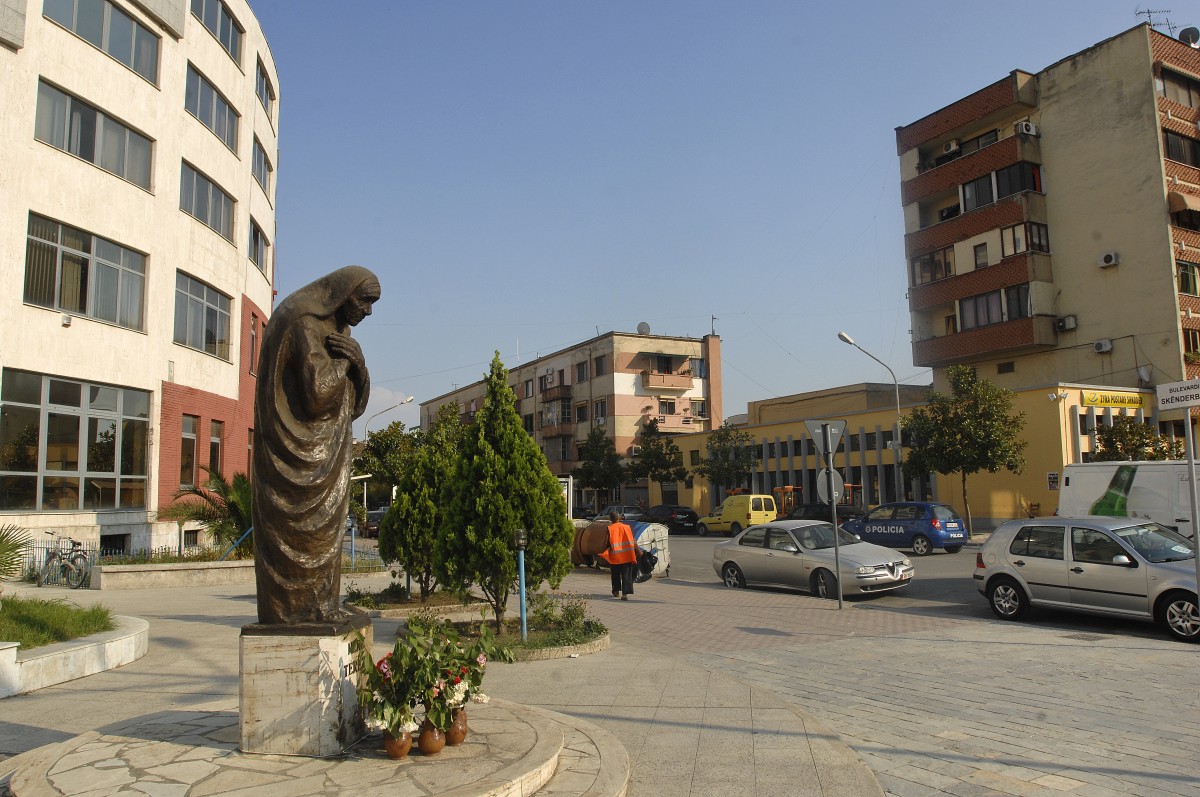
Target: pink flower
482, 659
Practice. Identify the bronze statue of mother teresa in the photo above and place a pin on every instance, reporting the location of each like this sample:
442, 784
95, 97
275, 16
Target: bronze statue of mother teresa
312, 383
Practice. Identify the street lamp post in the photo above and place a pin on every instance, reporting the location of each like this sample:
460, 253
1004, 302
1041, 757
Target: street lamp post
844, 338
367, 425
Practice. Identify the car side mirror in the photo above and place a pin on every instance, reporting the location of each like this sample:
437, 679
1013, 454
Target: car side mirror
1123, 560
790, 547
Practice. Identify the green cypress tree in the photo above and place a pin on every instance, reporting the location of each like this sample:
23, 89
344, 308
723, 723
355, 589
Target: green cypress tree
501, 484
408, 532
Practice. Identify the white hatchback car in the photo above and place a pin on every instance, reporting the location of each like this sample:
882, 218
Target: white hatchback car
1107, 565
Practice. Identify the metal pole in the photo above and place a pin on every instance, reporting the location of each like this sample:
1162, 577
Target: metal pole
521, 587
842, 336
837, 548
1187, 428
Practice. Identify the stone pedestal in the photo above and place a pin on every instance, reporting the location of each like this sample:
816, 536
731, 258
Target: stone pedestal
298, 688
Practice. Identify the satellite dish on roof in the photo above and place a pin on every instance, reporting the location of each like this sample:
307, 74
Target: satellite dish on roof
643, 328
1190, 36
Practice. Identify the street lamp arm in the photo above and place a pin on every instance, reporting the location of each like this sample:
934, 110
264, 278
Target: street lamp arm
367, 425
844, 338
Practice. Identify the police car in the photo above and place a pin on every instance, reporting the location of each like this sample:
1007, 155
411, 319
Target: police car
919, 525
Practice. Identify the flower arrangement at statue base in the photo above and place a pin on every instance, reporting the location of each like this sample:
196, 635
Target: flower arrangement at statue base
429, 667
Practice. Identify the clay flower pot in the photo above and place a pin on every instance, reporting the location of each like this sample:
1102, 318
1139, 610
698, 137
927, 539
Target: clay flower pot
431, 741
397, 746
457, 732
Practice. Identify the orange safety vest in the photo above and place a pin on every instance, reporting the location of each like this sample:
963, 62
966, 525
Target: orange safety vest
622, 549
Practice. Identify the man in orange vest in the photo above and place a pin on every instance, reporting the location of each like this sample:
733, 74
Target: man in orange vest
622, 555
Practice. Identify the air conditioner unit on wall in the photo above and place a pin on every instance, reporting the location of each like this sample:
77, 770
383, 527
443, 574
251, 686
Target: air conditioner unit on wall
1103, 346
635, 451
1027, 128
1108, 259
1066, 323
950, 146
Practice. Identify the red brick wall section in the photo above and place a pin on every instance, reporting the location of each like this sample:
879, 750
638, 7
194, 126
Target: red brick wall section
1008, 211
985, 161
1010, 271
237, 415
974, 106
973, 343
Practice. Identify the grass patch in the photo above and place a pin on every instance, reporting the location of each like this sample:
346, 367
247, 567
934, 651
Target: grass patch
552, 620
395, 596
34, 622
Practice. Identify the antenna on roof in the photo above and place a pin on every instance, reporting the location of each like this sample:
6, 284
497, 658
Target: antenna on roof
1190, 37
1149, 15
643, 328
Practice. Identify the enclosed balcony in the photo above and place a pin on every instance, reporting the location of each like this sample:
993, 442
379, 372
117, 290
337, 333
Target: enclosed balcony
656, 381
1028, 267
1022, 334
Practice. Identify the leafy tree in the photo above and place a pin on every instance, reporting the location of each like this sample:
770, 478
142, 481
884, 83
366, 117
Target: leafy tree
729, 457
971, 429
1130, 439
600, 467
661, 460
221, 506
501, 484
386, 455
408, 532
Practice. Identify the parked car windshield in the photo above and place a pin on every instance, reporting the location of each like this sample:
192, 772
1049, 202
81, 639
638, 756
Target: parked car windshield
820, 535
1157, 543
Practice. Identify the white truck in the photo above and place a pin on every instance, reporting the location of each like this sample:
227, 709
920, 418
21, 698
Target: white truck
1157, 491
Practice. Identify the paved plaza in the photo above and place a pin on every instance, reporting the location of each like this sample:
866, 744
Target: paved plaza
758, 692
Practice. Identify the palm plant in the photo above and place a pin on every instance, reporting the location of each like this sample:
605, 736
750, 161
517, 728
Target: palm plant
14, 543
221, 506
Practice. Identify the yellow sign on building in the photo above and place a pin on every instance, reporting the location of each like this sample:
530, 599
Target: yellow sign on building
1114, 398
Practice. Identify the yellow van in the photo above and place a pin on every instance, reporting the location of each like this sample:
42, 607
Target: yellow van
736, 513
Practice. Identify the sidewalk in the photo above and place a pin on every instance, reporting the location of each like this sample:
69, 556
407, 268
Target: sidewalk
687, 730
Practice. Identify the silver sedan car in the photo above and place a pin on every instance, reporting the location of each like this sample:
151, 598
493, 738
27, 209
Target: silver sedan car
800, 553
1103, 565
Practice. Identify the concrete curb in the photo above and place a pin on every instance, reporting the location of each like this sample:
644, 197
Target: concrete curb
563, 652
65, 661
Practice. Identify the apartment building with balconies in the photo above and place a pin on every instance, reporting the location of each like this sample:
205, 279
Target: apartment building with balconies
618, 381
1053, 220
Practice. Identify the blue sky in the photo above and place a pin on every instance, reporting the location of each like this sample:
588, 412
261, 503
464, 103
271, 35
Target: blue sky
524, 175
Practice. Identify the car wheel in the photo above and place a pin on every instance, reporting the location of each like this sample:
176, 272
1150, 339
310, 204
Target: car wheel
921, 546
1007, 599
702, 530
731, 574
824, 585
1177, 612
953, 548
734, 530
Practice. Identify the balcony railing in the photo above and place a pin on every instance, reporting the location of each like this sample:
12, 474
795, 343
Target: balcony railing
558, 428
653, 381
556, 392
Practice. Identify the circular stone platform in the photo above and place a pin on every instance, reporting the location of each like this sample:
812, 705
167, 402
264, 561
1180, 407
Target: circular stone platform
511, 750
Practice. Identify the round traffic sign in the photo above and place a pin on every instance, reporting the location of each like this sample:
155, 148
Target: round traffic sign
839, 486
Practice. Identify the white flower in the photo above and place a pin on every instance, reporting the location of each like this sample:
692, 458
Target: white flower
375, 724
409, 726
479, 697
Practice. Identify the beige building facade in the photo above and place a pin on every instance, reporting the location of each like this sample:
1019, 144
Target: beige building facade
617, 381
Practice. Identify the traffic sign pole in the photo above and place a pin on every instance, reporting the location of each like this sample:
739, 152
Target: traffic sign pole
1179, 395
837, 548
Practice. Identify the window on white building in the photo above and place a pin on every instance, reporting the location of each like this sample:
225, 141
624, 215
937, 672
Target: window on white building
74, 271
201, 316
205, 201
111, 29
202, 100
70, 124
220, 23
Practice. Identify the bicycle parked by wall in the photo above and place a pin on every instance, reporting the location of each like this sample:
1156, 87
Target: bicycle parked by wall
70, 563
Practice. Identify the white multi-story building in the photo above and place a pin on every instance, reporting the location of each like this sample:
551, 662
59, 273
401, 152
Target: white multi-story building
137, 195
